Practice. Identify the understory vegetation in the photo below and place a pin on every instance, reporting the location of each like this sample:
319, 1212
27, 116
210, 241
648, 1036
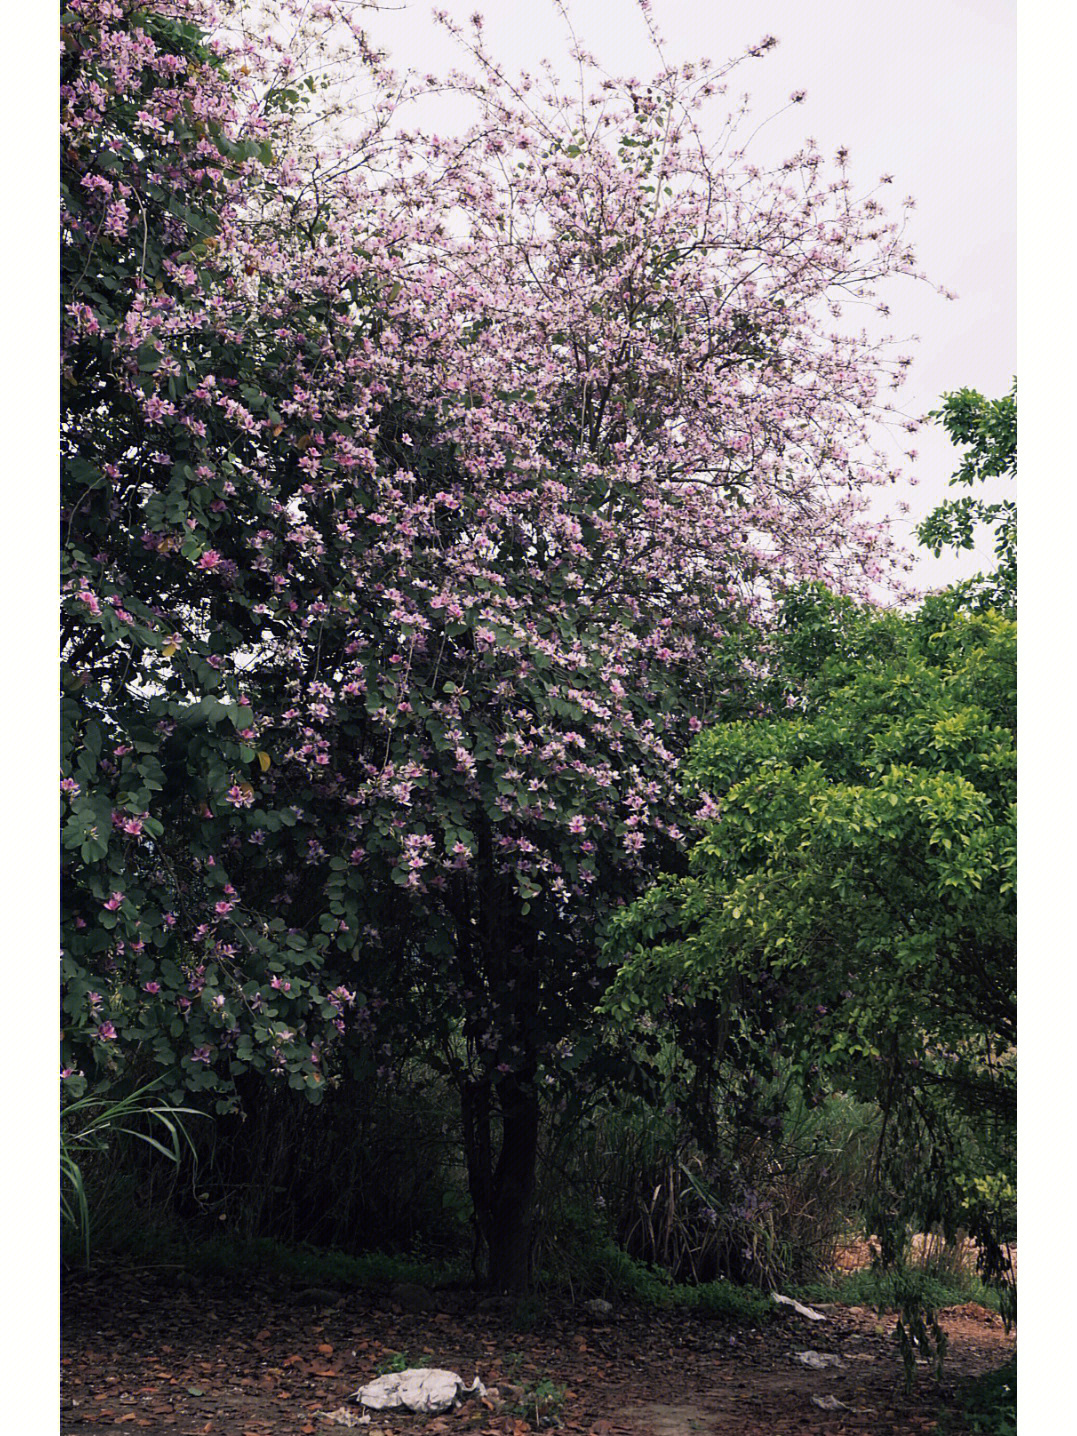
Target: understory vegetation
348, 1195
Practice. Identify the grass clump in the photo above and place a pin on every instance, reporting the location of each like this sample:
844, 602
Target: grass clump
890, 1290
725, 1301
612, 1273
316, 1266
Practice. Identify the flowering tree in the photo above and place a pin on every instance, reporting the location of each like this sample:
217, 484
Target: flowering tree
459, 458
188, 301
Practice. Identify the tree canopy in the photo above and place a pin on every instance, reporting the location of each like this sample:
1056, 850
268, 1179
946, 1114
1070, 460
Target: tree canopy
410, 487
849, 906
987, 429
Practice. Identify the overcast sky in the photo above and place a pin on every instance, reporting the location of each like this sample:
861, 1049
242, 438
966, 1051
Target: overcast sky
922, 91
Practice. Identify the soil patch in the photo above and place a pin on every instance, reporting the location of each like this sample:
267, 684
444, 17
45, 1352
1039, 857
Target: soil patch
255, 1358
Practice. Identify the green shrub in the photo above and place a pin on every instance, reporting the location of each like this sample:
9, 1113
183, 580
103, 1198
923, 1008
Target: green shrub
986, 1406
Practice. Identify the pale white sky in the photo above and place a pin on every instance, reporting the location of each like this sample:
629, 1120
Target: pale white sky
923, 90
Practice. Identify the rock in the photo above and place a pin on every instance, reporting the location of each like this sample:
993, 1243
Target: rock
494, 1303
317, 1296
601, 1310
425, 1390
817, 1360
411, 1297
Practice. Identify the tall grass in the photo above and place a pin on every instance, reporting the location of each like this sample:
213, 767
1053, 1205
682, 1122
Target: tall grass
92, 1124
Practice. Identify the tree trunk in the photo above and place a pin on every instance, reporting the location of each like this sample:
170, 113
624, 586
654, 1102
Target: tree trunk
514, 1188
503, 1197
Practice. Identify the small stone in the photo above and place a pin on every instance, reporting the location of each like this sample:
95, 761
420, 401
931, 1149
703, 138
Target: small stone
317, 1296
411, 1297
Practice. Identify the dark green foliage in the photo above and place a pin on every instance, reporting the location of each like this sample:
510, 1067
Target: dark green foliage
348, 1175
987, 429
986, 1406
852, 912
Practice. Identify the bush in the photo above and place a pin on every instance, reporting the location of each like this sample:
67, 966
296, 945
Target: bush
987, 1406
755, 1209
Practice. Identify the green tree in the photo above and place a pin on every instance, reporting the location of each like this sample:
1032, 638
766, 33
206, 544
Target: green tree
849, 908
987, 428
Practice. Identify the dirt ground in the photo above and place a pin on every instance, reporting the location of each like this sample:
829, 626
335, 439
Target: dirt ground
163, 1353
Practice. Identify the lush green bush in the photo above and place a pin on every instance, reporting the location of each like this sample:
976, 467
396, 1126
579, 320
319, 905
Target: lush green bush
851, 916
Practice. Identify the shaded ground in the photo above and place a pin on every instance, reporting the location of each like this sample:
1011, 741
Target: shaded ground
253, 1358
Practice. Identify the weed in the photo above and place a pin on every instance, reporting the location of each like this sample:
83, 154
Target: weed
727, 1301
399, 1361
88, 1124
541, 1403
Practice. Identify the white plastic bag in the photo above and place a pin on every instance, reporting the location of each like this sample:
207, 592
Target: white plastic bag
425, 1390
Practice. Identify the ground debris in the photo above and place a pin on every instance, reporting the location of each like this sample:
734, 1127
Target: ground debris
243, 1357
807, 1311
817, 1360
427, 1390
